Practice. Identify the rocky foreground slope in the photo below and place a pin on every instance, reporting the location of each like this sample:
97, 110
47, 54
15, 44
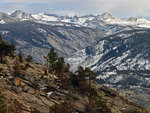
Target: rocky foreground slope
34, 90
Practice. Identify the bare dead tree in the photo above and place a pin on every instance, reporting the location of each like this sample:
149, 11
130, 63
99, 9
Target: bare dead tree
47, 65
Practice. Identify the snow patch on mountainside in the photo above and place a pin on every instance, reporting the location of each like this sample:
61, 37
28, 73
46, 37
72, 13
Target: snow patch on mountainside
76, 60
44, 17
2, 22
4, 32
41, 30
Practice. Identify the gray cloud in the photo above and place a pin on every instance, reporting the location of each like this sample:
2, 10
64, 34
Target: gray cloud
116, 7
124, 7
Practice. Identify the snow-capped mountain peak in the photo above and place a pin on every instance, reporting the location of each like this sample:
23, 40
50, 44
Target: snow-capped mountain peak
106, 16
138, 20
4, 18
18, 14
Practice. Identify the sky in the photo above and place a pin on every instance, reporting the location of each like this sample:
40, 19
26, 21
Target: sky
118, 8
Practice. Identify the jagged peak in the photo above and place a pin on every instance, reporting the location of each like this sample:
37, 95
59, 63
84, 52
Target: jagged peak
139, 20
105, 16
18, 14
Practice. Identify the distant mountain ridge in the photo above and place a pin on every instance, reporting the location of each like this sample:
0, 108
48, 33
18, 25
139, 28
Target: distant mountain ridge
105, 22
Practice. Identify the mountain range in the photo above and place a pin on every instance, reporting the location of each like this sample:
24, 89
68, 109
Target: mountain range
36, 37
117, 49
105, 22
37, 33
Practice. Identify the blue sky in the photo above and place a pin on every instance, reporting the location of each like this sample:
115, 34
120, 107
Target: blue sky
119, 8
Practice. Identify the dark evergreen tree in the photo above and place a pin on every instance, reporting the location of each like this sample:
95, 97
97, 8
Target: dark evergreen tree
81, 77
67, 67
60, 65
80, 71
60, 70
29, 58
85, 73
17, 67
91, 75
5, 49
53, 57
20, 56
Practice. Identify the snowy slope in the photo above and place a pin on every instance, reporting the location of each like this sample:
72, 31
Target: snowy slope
119, 58
22, 16
44, 17
36, 39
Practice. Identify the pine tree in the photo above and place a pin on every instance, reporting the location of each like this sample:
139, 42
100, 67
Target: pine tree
60, 70
81, 77
17, 67
53, 57
80, 71
29, 58
67, 67
5, 49
91, 75
20, 56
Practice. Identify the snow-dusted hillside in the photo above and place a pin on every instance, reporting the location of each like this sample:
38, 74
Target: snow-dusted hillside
105, 22
36, 39
120, 59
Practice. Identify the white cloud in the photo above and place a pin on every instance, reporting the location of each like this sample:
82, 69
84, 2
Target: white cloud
127, 7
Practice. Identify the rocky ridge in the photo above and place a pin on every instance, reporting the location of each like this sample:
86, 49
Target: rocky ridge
35, 90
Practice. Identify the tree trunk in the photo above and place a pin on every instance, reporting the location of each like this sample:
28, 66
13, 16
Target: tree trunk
1, 58
47, 66
90, 89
